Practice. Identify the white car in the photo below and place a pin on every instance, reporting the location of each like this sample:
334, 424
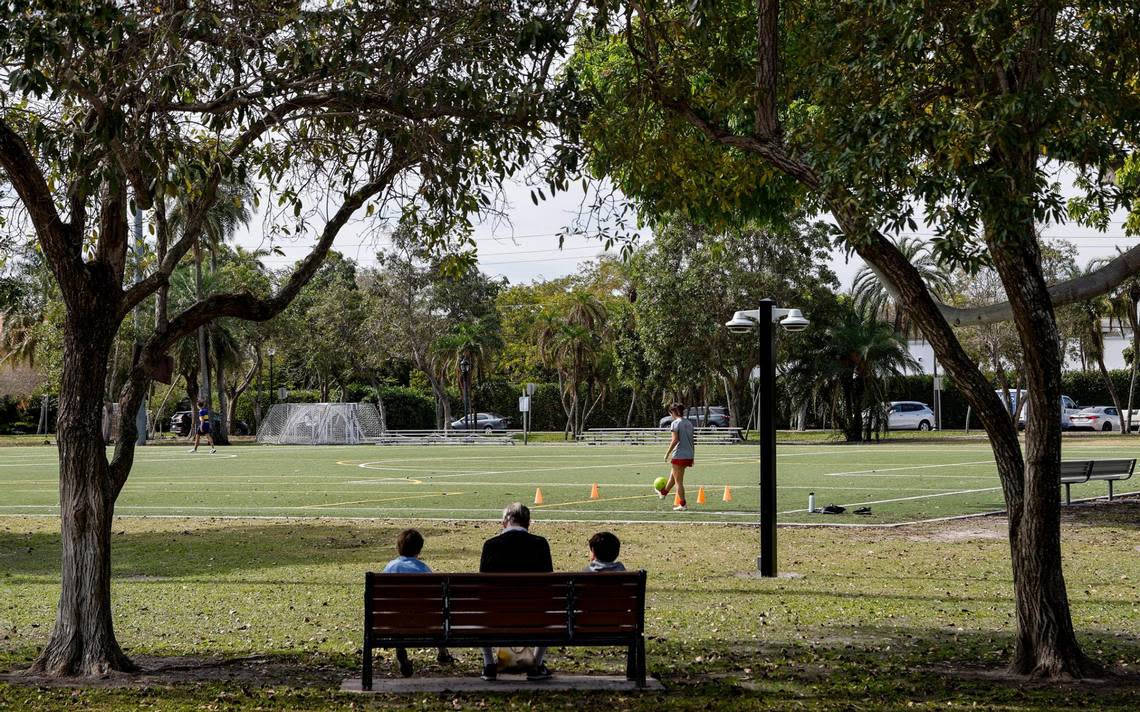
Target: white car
1097, 417
910, 415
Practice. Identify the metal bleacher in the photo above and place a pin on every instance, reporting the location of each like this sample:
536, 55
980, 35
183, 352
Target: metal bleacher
444, 437
658, 436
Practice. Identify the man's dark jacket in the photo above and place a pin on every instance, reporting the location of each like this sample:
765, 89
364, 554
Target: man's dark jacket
516, 552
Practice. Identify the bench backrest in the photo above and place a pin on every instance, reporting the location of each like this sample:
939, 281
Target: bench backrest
556, 606
1074, 471
1111, 469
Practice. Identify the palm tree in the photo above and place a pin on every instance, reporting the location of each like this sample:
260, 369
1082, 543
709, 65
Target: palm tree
477, 341
873, 299
571, 339
849, 363
230, 212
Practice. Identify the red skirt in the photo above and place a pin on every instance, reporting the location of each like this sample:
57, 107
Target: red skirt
683, 462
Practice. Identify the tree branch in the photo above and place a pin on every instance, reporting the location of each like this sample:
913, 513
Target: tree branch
58, 240
240, 305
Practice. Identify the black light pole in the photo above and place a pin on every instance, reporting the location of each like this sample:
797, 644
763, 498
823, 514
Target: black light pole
465, 373
761, 319
767, 427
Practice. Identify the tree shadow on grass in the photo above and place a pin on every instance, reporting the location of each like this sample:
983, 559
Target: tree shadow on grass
212, 550
839, 667
1121, 513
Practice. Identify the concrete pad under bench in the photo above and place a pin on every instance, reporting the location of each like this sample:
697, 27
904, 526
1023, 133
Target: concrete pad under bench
505, 683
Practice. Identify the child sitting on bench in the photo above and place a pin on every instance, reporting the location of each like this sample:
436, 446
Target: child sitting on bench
409, 544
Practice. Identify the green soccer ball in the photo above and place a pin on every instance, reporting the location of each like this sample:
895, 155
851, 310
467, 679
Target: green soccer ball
659, 484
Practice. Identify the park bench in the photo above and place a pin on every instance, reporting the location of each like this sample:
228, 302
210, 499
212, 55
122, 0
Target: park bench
1075, 472
649, 436
500, 610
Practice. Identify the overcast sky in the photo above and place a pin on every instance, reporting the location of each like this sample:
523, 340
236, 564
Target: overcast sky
524, 247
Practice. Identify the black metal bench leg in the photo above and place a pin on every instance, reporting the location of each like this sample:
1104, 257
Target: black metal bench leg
366, 670
631, 663
641, 662
1068, 493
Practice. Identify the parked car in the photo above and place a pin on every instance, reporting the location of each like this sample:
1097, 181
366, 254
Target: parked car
1069, 407
182, 422
1097, 417
910, 415
487, 422
718, 417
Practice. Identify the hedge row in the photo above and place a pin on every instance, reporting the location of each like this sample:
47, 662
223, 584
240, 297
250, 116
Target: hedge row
411, 409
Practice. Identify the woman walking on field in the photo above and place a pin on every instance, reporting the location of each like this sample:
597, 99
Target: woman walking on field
680, 455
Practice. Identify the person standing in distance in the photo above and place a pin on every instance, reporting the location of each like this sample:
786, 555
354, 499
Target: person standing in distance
203, 428
515, 550
679, 456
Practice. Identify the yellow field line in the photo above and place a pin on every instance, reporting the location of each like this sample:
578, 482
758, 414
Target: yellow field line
372, 501
588, 501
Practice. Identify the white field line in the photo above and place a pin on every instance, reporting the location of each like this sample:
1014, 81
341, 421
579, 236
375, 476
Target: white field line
419, 488
904, 499
531, 470
676, 520
854, 473
186, 458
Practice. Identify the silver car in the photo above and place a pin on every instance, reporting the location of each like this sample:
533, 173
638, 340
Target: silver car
487, 422
1097, 417
910, 415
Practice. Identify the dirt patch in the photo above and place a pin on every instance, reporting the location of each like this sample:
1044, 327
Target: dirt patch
161, 671
956, 530
1121, 512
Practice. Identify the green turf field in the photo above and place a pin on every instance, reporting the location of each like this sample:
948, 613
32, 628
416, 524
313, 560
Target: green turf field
900, 482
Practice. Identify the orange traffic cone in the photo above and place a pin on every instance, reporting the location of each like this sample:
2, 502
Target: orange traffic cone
538, 496
727, 493
701, 495
676, 499
594, 494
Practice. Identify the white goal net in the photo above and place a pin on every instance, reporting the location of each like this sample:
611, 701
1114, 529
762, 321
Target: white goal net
320, 424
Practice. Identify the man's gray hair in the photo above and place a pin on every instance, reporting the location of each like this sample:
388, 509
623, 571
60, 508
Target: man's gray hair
517, 514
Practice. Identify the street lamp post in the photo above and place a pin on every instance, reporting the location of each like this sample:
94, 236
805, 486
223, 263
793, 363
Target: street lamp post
762, 319
272, 352
465, 377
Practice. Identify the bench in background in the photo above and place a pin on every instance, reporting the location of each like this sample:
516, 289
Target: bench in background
1075, 472
500, 610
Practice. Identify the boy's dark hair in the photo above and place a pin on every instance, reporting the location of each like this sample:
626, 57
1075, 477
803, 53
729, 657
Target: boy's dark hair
605, 546
410, 543
677, 408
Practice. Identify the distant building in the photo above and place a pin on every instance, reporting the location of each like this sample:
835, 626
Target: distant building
1114, 344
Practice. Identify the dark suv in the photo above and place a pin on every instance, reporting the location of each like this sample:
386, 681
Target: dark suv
718, 417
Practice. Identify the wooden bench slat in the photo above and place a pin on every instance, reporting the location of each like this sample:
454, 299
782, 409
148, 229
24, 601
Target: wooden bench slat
521, 619
408, 605
407, 620
587, 619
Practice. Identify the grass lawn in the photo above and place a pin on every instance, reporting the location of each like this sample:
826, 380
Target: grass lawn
899, 482
916, 617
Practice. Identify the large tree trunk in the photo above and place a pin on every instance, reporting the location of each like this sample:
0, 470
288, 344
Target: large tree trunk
1046, 643
83, 640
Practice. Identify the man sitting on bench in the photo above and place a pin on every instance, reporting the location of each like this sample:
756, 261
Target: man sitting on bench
516, 551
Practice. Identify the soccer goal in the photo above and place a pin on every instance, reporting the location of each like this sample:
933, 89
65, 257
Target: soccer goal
320, 424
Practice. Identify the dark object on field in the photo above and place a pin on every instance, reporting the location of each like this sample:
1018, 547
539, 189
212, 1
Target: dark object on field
833, 509
863, 510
